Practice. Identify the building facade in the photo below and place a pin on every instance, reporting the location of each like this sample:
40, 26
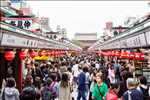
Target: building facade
85, 40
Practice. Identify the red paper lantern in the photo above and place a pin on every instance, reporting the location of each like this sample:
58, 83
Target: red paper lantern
52, 53
124, 54
9, 55
49, 53
56, 54
33, 54
43, 53
112, 53
22, 55
139, 56
117, 53
108, 53
105, 53
131, 55
142, 56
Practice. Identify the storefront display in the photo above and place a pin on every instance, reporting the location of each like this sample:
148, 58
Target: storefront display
146, 73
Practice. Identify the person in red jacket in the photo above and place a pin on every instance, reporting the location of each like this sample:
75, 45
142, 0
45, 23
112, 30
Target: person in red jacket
112, 93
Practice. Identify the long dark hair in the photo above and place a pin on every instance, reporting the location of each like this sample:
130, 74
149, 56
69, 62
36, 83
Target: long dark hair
64, 80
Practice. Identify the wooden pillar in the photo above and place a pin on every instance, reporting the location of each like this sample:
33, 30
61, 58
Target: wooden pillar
18, 70
2, 67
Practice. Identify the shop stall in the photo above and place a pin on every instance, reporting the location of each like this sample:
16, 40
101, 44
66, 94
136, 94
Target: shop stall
18, 47
129, 46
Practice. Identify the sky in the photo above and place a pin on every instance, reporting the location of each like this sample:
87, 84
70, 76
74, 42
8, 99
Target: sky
87, 16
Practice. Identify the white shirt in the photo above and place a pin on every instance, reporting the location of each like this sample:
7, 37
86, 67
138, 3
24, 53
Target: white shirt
75, 70
87, 77
111, 75
97, 66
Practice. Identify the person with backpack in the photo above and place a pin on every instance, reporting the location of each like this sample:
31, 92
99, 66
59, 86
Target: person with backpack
54, 87
29, 91
144, 88
10, 92
45, 90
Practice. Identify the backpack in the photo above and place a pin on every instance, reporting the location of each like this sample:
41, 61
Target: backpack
145, 93
46, 93
53, 90
28, 93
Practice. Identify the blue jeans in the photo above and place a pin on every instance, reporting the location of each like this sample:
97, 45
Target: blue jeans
81, 94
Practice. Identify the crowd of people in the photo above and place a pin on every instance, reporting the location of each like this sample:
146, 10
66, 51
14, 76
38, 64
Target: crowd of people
90, 77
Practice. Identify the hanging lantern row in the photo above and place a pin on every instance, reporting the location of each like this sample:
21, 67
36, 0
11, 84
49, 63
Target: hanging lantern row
10, 55
53, 53
123, 54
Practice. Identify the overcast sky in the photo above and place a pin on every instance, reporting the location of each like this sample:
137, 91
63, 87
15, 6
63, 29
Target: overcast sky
87, 16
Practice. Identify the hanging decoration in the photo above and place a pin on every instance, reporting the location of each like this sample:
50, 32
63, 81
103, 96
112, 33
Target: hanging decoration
33, 54
9, 55
22, 55
42, 53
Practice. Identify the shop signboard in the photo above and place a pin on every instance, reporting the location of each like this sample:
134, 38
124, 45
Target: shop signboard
148, 38
123, 43
20, 23
142, 40
32, 43
136, 41
42, 44
15, 41
113, 45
